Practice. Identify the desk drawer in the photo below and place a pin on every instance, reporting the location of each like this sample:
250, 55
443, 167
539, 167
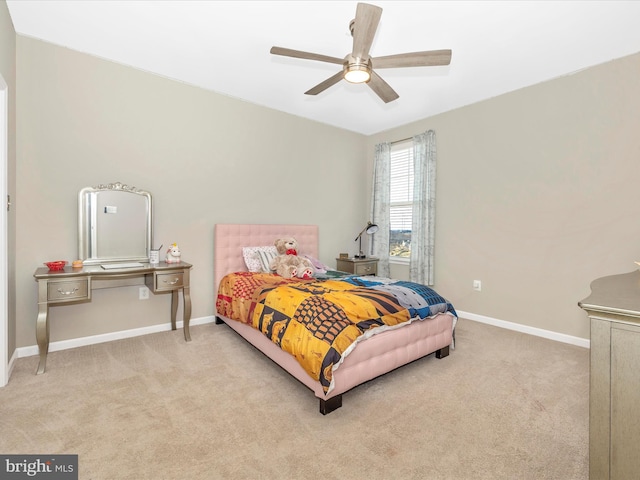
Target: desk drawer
67, 291
168, 281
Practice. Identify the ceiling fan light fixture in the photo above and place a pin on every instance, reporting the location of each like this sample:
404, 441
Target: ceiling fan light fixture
357, 71
357, 75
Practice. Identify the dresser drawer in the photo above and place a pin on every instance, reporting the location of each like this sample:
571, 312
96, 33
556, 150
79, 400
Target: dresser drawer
366, 268
168, 281
67, 291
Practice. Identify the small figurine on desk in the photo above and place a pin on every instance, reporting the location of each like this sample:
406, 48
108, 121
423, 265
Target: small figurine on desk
173, 254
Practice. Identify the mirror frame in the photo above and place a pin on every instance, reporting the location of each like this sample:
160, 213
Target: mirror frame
87, 243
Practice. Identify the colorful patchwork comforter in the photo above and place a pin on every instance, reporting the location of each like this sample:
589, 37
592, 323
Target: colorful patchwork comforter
320, 321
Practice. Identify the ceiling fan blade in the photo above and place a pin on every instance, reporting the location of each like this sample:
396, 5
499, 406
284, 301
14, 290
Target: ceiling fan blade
364, 29
322, 86
287, 52
416, 59
382, 88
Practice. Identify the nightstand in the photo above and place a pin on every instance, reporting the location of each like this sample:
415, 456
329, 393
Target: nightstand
358, 266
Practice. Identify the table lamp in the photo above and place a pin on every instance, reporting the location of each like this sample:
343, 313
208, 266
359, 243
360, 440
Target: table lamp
370, 229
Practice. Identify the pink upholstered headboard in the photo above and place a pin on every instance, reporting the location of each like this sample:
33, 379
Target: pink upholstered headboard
230, 238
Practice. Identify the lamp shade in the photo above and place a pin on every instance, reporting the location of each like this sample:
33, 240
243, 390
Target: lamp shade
372, 228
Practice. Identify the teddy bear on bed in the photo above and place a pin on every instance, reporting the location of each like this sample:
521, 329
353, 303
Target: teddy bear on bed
288, 264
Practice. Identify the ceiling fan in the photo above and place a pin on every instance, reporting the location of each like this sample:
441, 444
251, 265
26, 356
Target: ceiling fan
358, 66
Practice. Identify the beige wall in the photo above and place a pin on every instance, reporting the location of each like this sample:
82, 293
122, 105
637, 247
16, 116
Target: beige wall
536, 191
8, 72
206, 158
538, 195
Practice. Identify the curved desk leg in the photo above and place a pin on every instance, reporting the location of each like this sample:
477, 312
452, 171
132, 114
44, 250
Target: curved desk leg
186, 296
174, 308
42, 336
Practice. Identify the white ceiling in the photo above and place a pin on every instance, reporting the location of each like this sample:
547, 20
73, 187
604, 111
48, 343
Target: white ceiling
223, 46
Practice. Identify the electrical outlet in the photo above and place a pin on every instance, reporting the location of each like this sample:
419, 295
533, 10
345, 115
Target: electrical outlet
477, 285
143, 293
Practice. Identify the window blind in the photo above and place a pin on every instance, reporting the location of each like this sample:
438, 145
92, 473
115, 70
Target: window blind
401, 198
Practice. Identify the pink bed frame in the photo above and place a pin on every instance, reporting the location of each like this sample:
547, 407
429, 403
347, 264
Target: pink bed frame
372, 357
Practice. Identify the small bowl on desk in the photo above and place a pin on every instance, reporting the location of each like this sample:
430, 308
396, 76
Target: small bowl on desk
56, 266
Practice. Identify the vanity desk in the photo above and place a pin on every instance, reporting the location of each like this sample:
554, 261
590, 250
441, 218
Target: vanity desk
75, 285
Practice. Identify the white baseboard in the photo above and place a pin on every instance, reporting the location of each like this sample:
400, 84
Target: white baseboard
12, 363
109, 337
538, 332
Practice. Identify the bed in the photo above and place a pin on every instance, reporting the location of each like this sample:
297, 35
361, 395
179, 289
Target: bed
379, 352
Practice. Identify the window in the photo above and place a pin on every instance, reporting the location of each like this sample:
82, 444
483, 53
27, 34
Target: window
401, 200
406, 217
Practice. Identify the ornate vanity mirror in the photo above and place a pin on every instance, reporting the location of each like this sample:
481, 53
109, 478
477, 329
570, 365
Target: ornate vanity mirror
114, 224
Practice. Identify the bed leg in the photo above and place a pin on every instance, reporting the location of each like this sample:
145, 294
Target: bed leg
442, 352
328, 406
219, 321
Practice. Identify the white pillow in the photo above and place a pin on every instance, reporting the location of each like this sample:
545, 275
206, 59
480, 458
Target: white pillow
265, 257
252, 257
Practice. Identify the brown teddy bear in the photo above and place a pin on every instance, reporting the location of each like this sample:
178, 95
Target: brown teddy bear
288, 264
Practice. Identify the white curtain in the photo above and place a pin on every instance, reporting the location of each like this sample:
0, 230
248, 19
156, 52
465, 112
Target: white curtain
421, 267
380, 207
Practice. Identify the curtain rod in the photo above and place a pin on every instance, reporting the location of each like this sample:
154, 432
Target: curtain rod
401, 140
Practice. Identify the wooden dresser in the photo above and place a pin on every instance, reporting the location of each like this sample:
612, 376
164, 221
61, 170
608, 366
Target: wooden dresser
614, 392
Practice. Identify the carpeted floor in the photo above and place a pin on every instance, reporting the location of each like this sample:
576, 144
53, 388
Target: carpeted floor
503, 405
